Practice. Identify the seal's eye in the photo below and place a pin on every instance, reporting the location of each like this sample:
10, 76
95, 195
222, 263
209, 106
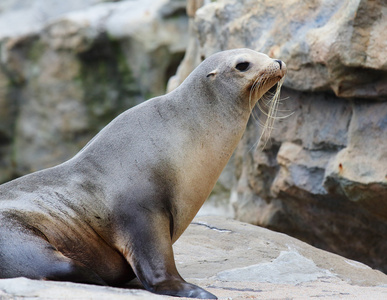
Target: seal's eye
243, 66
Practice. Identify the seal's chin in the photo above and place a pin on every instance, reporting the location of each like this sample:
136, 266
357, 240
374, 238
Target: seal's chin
271, 85
273, 88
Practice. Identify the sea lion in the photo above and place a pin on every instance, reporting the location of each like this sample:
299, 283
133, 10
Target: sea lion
113, 211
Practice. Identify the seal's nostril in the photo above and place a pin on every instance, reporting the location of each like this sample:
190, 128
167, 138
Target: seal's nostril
279, 62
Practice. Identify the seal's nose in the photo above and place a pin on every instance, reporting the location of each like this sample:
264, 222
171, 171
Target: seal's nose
279, 62
282, 67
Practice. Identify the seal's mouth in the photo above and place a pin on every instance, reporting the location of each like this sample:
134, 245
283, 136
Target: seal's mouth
261, 81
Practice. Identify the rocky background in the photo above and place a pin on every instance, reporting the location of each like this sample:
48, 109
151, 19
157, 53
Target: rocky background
67, 68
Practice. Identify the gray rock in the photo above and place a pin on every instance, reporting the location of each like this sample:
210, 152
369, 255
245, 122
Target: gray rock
321, 182
235, 260
328, 45
23, 288
288, 268
241, 261
66, 78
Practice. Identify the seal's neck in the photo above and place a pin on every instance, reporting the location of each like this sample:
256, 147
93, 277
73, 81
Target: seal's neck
214, 121
212, 129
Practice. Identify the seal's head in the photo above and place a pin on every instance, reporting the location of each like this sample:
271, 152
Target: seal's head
245, 73
247, 76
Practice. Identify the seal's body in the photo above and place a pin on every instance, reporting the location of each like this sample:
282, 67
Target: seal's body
113, 211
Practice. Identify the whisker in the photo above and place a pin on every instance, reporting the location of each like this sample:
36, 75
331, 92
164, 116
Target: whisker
277, 110
271, 115
254, 87
252, 90
268, 105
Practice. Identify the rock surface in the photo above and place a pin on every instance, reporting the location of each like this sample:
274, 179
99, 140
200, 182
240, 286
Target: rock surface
65, 77
235, 260
323, 175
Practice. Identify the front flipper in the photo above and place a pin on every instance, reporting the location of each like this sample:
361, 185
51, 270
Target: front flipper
150, 254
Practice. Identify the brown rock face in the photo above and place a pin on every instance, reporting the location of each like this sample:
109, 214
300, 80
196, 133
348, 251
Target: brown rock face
323, 176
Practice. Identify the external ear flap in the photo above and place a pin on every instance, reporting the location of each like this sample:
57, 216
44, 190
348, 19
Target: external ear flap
212, 73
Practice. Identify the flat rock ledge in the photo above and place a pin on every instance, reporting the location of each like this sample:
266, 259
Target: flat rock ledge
235, 260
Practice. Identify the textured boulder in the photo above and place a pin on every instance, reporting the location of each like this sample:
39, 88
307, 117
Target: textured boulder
21, 18
239, 261
64, 79
328, 45
323, 175
312, 182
